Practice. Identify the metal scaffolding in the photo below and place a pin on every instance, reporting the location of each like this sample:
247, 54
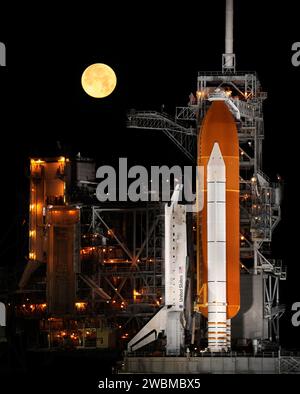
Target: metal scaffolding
125, 244
184, 138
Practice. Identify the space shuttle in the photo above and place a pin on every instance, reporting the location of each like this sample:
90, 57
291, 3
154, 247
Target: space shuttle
218, 233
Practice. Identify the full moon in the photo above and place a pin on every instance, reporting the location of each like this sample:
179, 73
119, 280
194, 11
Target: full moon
98, 80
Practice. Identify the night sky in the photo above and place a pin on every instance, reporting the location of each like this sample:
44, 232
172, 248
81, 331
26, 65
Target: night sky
156, 52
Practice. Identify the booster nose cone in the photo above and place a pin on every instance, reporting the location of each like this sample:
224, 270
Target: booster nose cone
216, 165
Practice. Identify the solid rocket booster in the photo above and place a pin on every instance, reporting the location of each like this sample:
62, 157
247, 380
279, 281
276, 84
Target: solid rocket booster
216, 250
217, 144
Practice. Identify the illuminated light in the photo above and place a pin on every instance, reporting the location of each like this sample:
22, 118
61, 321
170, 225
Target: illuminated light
160, 298
24, 306
253, 179
32, 207
242, 153
43, 306
104, 250
242, 238
32, 233
32, 256
136, 293
107, 302
80, 305
228, 93
200, 94
62, 159
87, 333
157, 303
114, 301
150, 260
37, 161
120, 326
110, 249
116, 288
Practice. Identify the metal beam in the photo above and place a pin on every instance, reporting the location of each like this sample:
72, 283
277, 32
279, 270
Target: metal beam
184, 138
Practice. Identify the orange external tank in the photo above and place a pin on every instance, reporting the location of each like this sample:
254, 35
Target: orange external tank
219, 126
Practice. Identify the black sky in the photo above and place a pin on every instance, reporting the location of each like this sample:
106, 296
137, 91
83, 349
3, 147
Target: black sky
156, 49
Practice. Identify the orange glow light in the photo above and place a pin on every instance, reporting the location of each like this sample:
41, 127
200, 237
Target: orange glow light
37, 161
80, 305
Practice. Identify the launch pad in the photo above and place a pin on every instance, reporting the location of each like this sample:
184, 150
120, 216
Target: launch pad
210, 364
251, 278
151, 277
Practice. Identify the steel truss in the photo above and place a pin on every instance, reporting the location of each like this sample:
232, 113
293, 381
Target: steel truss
184, 138
127, 248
